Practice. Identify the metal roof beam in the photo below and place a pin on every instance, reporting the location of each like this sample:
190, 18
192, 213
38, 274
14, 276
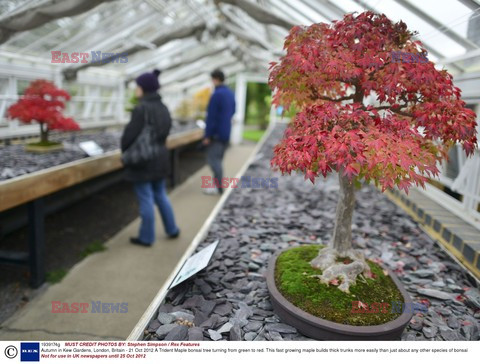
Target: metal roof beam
189, 60
258, 13
473, 5
429, 46
85, 33
165, 37
33, 17
438, 25
323, 9
169, 50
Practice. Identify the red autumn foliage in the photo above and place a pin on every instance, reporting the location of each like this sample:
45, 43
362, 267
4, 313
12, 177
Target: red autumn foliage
43, 103
328, 72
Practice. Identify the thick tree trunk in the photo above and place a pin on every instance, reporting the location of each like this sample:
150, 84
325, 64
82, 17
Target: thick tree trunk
43, 133
341, 245
342, 234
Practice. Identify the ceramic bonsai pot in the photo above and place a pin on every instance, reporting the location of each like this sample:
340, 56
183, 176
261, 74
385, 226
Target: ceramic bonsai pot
320, 329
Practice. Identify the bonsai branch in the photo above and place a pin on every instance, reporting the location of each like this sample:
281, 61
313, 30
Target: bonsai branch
315, 95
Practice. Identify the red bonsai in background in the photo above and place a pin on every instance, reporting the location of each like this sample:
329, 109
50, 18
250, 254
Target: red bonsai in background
414, 117
43, 103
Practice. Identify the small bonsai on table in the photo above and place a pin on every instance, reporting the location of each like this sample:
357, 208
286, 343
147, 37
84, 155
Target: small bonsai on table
43, 103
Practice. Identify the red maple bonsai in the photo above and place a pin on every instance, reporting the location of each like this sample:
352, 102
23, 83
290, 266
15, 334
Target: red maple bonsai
43, 103
327, 74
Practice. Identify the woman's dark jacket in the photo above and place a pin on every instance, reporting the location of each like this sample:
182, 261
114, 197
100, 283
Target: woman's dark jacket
158, 113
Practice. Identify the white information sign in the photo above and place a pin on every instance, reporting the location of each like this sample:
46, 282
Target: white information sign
195, 263
91, 148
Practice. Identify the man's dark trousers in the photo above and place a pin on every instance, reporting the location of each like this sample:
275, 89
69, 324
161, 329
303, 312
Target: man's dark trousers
215, 151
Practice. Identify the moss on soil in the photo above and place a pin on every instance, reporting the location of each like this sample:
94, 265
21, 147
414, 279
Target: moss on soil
293, 279
44, 144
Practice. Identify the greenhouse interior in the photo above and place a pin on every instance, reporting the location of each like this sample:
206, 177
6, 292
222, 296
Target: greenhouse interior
239, 170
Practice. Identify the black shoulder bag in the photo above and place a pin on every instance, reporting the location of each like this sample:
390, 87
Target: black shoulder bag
145, 147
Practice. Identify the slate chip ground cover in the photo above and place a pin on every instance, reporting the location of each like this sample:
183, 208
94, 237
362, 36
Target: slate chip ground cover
256, 223
295, 280
15, 161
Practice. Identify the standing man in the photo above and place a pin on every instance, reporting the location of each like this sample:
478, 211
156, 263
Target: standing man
221, 108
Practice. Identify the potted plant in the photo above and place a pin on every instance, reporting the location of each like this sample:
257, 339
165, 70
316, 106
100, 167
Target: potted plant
43, 103
414, 116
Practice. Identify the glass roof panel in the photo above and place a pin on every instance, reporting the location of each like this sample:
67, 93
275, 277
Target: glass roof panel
440, 42
114, 26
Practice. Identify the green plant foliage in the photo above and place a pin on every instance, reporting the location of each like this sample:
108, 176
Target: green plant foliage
95, 247
295, 281
253, 135
258, 104
132, 102
56, 276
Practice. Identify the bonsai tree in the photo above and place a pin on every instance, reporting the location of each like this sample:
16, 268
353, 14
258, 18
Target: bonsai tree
43, 103
328, 73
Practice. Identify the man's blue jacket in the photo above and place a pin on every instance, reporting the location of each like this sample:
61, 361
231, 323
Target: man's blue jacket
221, 108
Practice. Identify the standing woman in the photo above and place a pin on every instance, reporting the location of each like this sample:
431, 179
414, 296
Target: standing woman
149, 177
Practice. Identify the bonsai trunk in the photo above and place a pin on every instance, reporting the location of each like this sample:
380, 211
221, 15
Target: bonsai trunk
43, 133
341, 245
342, 234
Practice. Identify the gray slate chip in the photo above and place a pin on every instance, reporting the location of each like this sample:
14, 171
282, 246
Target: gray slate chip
473, 298
154, 325
253, 326
435, 294
281, 328
195, 334
223, 309
165, 318
275, 336
235, 333
178, 333
429, 332
164, 330
178, 315
214, 335
225, 328
250, 336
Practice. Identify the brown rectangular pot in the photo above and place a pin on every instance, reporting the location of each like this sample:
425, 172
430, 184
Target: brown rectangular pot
321, 329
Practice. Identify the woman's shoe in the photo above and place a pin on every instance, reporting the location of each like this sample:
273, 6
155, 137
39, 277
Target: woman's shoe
137, 241
174, 236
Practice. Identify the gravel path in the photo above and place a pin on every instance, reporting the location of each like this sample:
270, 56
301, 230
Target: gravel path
15, 161
230, 300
